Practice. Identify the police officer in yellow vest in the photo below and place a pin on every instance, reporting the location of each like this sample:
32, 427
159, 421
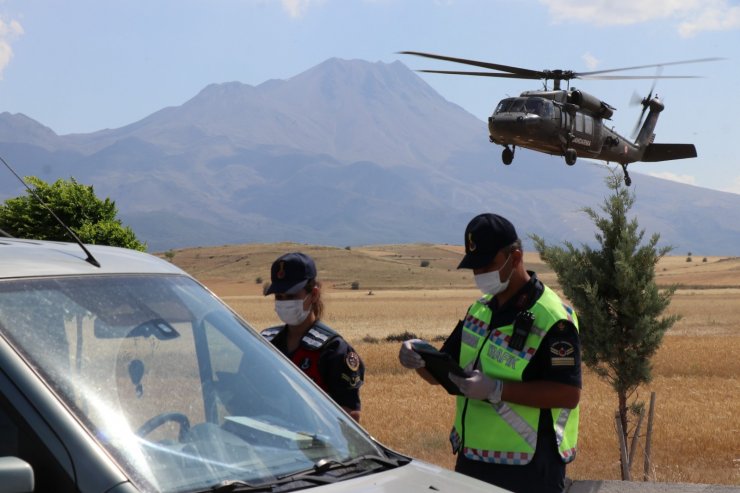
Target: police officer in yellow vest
516, 424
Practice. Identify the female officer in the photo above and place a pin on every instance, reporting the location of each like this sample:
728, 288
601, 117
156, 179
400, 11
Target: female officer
314, 347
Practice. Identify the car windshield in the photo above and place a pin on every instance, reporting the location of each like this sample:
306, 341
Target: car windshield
179, 390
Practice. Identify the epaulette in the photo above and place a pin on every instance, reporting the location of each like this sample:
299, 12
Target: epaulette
318, 336
271, 332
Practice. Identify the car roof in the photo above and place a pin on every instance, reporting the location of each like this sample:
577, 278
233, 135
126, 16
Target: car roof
36, 258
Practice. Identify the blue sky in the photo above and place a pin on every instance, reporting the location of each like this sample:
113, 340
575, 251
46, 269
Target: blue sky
84, 65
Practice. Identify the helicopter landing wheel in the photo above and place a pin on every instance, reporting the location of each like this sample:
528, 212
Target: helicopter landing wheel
627, 179
507, 156
570, 157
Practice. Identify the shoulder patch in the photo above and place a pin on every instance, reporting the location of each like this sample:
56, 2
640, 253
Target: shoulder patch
353, 361
562, 354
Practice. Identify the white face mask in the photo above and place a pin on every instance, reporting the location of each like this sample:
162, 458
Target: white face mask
291, 312
490, 282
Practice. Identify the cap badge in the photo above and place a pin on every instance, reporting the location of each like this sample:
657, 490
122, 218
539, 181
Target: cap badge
281, 270
471, 245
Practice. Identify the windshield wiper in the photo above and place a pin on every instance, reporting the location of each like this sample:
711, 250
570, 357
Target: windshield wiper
277, 485
320, 470
229, 486
329, 465
314, 475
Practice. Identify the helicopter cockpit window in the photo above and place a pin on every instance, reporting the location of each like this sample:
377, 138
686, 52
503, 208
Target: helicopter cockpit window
537, 106
503, 106
533, 106
517, 106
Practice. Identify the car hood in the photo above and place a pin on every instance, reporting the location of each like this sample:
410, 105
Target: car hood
414, 476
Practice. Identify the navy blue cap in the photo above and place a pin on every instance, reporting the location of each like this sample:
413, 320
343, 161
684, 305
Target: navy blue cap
290, 273
485, 235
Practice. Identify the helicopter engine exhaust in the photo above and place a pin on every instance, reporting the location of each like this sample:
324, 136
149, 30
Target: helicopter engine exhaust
590, 103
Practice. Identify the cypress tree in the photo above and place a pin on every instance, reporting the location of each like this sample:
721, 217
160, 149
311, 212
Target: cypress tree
618, 302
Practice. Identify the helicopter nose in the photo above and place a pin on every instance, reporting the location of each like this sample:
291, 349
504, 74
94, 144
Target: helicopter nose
504, 128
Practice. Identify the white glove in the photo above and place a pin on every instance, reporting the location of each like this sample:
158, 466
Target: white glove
408, 357
479, 386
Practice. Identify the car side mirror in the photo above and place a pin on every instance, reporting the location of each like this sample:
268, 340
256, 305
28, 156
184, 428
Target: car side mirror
16, 475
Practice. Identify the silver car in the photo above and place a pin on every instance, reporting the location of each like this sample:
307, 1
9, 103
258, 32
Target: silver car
133, 377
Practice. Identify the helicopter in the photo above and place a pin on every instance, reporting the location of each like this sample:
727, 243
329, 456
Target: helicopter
570, 122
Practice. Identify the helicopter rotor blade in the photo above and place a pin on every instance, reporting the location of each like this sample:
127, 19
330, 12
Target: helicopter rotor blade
681, 62
481, 74
655, 81
529, 74
511, 72
636, 77
636, 130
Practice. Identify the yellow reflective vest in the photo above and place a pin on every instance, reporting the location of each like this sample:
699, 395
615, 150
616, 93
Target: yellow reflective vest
506, 433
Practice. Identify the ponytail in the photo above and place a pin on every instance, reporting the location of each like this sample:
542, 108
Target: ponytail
318, 305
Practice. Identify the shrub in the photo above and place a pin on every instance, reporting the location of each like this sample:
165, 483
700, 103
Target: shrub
424, 263
355, 285
403, 336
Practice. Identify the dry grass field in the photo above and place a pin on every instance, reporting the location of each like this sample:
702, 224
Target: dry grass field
696, 371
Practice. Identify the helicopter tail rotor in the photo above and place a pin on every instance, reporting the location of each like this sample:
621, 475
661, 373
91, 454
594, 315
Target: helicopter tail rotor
645, 102
635, 99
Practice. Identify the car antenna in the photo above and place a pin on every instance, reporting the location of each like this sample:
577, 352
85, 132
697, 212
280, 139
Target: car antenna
90, 259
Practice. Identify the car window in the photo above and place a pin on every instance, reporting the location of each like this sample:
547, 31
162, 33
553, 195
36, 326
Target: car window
18, 439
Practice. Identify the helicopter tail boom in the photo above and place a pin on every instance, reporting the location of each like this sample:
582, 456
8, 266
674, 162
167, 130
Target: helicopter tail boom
668, 152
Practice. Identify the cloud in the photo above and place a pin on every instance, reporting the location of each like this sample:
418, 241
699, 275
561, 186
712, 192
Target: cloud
9, 31
591, 61
298, 8
667, 175
721, 17
691, 16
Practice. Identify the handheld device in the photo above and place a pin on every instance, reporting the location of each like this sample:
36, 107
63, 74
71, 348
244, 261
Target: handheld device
440, 365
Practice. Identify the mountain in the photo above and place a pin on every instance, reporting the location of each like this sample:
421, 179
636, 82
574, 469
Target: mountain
346, 153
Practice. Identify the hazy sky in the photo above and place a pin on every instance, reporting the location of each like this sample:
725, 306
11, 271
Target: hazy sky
85, 65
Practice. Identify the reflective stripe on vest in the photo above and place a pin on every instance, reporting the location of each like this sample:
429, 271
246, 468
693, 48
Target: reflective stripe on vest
506, 433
